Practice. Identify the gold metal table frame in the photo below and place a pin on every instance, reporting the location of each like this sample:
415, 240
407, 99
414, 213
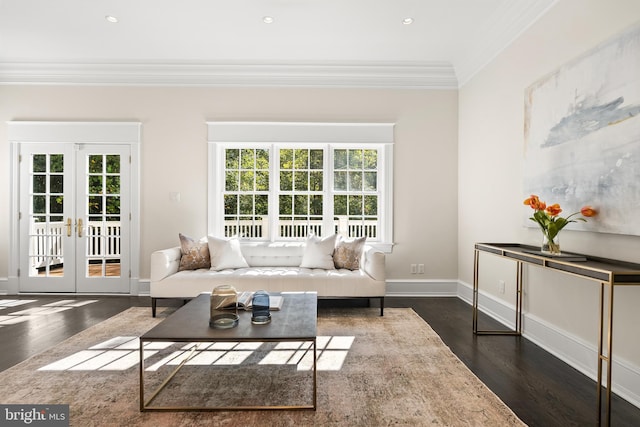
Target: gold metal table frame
146, 404
295, 322
608, 272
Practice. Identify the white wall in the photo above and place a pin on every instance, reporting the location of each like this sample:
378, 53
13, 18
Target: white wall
174, 154
491, 114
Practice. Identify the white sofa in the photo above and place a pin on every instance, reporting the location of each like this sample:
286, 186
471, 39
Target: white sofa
273, 267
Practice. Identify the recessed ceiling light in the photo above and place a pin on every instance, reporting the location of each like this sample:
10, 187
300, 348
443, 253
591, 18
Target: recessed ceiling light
267, 19
407, 21
111, 18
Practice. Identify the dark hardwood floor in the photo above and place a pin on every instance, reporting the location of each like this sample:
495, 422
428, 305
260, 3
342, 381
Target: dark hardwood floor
539, 388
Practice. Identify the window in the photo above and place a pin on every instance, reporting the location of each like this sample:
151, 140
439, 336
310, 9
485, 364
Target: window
301, 195
299, 184
355, 192
246, 192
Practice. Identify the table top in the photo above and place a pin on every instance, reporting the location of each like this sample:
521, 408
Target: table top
296, 320
596, 268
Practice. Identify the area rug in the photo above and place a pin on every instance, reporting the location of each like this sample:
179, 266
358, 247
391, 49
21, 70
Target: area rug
372, 371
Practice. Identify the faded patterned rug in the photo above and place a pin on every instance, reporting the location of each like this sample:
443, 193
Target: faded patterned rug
372, 371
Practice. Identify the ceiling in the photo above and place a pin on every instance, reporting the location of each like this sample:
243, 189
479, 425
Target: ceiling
354, 43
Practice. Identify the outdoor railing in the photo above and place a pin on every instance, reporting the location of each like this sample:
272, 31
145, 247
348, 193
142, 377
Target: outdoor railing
293, 229
46, 247
103, 240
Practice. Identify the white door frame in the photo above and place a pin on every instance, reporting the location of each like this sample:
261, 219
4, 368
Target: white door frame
74, 133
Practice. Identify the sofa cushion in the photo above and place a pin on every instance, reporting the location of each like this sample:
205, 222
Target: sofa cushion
225, 253
327, 283
318, 253
348, 253
270, 254
194, 254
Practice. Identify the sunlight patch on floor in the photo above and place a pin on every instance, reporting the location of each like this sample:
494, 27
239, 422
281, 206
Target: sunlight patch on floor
30, 313
4, 303
122, 352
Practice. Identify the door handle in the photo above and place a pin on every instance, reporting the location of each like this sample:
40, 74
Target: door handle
79, 227
68, 227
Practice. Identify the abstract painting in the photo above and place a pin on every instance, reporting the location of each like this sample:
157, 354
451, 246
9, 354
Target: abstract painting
582, 136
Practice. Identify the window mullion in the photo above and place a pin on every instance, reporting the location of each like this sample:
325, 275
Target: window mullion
274, 193
327, 193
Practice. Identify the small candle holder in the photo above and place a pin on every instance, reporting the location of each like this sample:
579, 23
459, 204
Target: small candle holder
260, 308
224, 307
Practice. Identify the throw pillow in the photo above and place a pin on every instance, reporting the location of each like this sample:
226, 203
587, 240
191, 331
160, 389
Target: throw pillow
348, 253
226, 253
318, 253
194, 254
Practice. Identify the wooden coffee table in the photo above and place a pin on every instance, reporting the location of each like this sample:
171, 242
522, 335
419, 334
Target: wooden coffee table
296, 321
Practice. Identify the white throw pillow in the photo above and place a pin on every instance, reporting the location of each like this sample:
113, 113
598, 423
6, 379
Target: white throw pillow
318, 253
225, 253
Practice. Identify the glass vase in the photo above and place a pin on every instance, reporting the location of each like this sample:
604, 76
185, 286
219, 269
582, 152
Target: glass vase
224, 307
260, 307
550, 246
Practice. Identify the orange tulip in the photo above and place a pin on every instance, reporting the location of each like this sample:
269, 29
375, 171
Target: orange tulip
588, 211
554, 209
535, 203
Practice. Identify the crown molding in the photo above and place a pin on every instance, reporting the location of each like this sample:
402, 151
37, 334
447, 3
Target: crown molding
509, 23
433, 75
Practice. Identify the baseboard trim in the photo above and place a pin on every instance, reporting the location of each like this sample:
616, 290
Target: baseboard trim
422, 288
138, 288
575, 352
144, 287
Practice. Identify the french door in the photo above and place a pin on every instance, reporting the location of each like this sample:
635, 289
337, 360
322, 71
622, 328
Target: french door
75, 212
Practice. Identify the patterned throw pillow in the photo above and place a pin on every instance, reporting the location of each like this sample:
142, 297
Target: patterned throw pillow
194, 254
348, 253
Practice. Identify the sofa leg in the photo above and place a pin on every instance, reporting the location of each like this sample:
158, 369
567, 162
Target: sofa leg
153, 306
381, 306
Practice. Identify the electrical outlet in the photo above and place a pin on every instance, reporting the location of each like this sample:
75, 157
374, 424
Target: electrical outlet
413, 269
501, 286
420, 268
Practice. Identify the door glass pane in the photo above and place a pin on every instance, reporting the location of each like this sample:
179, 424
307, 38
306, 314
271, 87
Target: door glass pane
39, 162
103, 223
46, 224
55, 204
113, 163
113, 185
95, 164
57, 182
39, 204
39, 184
95, 205
95, 185
56, 162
